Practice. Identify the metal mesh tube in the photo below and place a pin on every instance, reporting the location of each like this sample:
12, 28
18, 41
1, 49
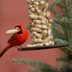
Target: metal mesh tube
40, 22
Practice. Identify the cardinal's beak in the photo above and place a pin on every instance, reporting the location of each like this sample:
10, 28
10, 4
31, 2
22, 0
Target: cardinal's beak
12, 31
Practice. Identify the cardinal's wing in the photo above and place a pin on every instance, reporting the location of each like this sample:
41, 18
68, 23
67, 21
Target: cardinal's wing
12, 39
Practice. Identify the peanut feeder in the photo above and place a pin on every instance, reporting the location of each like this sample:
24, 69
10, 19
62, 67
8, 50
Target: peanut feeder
41, 23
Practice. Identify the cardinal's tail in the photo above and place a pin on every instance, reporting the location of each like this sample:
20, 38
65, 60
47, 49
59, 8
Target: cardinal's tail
3, 52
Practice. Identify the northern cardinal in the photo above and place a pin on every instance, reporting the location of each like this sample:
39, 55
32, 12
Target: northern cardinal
20, 35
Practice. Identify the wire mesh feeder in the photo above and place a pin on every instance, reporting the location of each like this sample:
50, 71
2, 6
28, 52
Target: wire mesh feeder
40, 23
41, 26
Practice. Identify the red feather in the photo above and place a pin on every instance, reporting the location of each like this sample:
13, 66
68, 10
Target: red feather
16, 39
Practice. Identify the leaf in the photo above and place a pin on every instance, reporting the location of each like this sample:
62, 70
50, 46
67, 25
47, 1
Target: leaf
52, 9
58, 31
61, 5
62, 58
60, 41
56, 1
28, 27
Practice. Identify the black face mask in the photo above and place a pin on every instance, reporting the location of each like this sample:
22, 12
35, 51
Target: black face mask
20, 29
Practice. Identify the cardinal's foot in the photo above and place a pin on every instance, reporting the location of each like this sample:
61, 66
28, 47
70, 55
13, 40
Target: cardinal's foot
19, 48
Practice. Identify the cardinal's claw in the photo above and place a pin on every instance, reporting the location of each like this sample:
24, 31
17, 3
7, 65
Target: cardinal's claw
19, 48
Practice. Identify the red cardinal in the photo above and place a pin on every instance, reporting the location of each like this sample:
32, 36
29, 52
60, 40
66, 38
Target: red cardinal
20, 35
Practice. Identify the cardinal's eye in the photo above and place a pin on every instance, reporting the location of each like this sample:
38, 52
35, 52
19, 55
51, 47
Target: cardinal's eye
19, 28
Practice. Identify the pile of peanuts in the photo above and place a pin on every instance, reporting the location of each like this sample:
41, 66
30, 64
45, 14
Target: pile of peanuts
40, 22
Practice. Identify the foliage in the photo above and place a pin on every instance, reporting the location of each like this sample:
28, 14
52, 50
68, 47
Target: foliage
62, 24
35, 66
62, 28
